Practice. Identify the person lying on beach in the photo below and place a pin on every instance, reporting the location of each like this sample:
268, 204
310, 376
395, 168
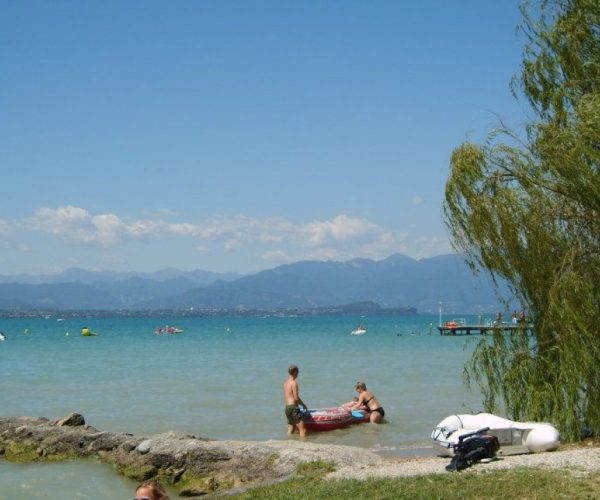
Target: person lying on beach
368, 399
150, 490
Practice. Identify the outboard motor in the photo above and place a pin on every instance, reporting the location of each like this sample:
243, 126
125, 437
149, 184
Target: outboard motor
472, 448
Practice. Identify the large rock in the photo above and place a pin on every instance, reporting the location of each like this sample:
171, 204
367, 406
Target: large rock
193, 465
72, 419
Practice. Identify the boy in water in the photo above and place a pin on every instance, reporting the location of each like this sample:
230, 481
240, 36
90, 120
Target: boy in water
291, 398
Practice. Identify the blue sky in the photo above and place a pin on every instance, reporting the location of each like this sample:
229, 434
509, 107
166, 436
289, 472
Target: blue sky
240, 135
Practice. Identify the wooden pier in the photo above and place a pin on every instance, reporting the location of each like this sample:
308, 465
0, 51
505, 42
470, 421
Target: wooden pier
459, 329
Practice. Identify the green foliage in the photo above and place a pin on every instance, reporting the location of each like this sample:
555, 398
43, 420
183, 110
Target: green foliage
529, 211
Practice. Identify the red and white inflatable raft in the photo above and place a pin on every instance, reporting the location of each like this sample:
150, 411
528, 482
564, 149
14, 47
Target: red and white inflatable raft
327, 419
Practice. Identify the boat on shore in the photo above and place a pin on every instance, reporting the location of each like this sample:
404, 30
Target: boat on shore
522, 437
328, 419
360, 330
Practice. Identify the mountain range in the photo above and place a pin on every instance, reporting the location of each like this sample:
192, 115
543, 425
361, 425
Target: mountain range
395, 282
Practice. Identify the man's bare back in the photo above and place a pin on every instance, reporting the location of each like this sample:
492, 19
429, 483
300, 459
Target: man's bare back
292, 400
290, 391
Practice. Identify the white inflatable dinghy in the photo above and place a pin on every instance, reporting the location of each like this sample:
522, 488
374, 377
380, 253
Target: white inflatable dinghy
523, 436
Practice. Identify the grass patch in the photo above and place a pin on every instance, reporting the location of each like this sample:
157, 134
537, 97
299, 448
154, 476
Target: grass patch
26, 452
532, 484
316, 468
196, 485
136, 472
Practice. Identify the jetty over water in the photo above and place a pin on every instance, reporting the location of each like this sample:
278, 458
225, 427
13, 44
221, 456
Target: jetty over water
454, 328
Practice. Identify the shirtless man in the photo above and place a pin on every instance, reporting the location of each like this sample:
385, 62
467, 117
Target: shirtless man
291, 398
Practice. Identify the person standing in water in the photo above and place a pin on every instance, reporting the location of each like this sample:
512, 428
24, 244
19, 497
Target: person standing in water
292, 400
368, 399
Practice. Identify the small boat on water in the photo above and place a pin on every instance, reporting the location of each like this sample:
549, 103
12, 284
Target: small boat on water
455, 323
2, 337
167, 330
86, 332
360, 330
327, 419
518, 437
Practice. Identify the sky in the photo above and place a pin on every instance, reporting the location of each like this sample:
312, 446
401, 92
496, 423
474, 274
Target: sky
236, 136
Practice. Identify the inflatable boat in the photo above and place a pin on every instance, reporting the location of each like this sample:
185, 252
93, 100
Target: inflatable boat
525, 436
327, 419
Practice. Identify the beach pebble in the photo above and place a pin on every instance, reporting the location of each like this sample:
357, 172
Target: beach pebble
144, 446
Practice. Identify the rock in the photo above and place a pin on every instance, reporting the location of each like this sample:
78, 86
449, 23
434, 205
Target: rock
144, 446
72, 420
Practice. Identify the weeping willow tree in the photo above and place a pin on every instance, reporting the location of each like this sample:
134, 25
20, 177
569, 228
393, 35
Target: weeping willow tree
527, 209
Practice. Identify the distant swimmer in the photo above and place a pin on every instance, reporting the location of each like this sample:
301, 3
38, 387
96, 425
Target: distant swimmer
86, 332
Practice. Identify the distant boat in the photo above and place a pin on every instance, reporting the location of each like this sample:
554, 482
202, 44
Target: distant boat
455, 323
167, 330
360, 330
2, 337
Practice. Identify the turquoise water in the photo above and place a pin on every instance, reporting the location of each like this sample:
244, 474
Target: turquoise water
222, 377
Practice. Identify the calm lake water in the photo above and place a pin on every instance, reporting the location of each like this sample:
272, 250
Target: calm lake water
221, 378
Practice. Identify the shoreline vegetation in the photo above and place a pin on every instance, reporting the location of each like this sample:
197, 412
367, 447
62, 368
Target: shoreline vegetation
196, 467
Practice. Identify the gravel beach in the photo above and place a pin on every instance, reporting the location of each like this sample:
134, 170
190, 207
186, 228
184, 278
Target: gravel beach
579, 460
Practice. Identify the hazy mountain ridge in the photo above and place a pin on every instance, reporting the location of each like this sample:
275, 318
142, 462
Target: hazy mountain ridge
395, 282
78, 275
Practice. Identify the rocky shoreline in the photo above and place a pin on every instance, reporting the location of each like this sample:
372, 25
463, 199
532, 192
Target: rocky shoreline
198, 466
193, 466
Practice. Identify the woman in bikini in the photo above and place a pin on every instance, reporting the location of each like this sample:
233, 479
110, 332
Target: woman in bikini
368, 399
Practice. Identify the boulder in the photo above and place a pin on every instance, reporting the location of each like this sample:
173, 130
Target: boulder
72, 420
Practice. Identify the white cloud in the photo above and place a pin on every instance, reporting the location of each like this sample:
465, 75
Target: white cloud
339, 238
277, 256
5, 227
339, 229
428, 247
232, 244
77, 224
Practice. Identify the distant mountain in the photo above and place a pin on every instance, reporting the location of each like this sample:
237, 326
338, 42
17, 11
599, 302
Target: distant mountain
118, 290
395, 282
78, 275
134, 290
62, 296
